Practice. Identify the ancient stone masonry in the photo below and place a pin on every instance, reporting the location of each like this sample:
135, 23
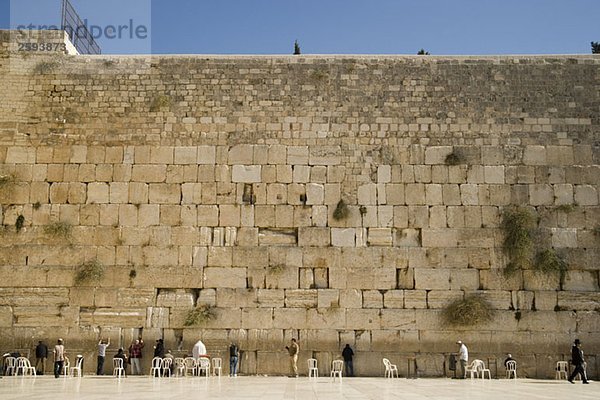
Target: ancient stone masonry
335, 199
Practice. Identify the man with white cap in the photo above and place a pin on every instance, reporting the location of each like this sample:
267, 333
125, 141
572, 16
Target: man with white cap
463, 357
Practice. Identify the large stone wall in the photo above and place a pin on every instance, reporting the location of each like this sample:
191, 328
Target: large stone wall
213, 180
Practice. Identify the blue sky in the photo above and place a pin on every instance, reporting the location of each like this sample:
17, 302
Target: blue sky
337, 26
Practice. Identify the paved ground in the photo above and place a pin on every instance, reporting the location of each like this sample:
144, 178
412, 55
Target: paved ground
253, 387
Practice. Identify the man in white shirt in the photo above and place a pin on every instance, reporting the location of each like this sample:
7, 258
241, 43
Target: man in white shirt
102, 345
463, 357
59, 358
199, 350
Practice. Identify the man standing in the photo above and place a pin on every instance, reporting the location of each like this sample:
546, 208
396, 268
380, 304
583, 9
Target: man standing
347, 354
233, 359
41, 354
199, 350
463, 357
293, 351
59, 358
578, 361
102, 345
135, 354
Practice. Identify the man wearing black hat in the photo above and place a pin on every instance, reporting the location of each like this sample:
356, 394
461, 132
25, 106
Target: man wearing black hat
578, 361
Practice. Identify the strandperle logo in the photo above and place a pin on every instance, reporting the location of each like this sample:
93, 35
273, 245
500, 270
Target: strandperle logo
130, 30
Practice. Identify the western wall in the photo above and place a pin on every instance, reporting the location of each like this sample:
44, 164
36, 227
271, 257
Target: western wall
213, 182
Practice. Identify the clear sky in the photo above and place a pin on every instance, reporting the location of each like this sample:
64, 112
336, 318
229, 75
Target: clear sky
336, 26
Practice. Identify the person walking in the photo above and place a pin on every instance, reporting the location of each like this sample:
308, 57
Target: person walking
59, 357
135, 355
234, 354
347, 354
578, 361
463, 358
293, 350
41, 355
102, 346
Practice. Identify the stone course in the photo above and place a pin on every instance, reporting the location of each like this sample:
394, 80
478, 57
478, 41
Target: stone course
225, 196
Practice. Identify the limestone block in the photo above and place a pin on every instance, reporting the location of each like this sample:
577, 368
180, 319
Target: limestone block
579, 301
98, 193
313, 236
207, 155
297, 155
437, 217
271, 298
563, 194
276, 154
220, 277
328, 298
586, 195
33, 296
494, 279
277, 193
379, 237
138, 193
367, 194
393, 299
564, 237
161, 255
343, 237
545, 300
366, 319
149, 173
208, 215
451, 194
39, 193
229, 215
246, 173
415, 194
464, 279
175, 298
547, 321
438, 299
581, 281
257, 318
369, 218
415, 299
439, 238
499, 299
534, 155
394, 194
300, 173
469, 194
540, 194
372, 299
135, 297
117, 317
162, 193
351, 298
241, 154
315, 193
475, 174
319, 216
324, 155
50, 316
277, 237
20, 155
433, 194
426, 278
220, 257
336, 174
437, 154
493, 174
289, 318
560, 155
128, 215
523, 300
301, 298
6, 317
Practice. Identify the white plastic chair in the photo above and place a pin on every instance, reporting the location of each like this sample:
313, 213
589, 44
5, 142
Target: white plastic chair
216, 365
204, 365
190, 365
24, 367
313, 371
336, 369
166, 366
11, 365
156, 368
76, 370
118, 369
66, 366
511, 369
179, 366
390, 368
562, 368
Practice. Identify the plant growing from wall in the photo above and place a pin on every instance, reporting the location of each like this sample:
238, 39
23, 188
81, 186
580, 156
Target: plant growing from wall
200, 315
595, 47
6, 180
276, 269
566, 208
470, 311
45, 67
89, 272
159, 102
517, 224
37, 205
549, 262
455, 158
297, 51
58, 229
19, 223
341, 211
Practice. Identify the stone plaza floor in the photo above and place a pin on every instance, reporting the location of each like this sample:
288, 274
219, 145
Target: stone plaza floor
259, 387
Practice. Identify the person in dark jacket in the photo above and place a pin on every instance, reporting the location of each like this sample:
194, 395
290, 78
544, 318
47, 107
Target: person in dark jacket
578, 361
159, 349
41, 354
347, 354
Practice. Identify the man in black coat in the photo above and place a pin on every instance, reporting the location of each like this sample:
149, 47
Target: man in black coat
578, 361
347, 354
41, 354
